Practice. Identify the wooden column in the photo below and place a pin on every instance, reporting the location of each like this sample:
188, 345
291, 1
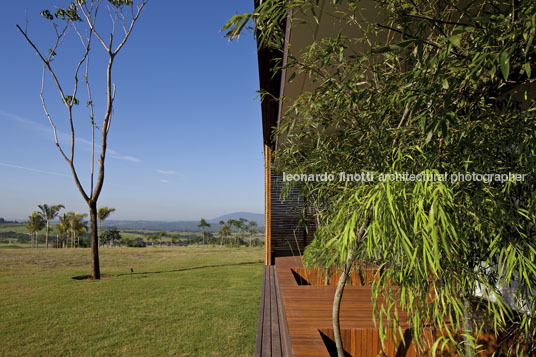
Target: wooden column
267, 205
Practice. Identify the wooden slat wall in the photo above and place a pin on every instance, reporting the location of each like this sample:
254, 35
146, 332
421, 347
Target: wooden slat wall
316, 276
267, 205
364, 342
287, 236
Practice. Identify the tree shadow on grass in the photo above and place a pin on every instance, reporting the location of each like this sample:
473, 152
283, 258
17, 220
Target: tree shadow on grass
187, 269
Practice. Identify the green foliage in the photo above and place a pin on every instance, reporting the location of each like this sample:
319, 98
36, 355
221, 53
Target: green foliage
119, 3
110, 236
432, 89
70, 13
267, 19
47, 15
136, 244
35, 222
70, 100
104, 212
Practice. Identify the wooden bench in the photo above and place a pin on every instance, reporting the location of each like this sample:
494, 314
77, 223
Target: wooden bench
272, 331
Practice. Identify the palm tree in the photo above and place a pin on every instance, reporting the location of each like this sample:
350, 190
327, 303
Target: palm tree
79, 227
76, 225
61, 229
225, 231
35, 224
221, 231
253, 229
103, 213
240, 225
203, 225
49, 213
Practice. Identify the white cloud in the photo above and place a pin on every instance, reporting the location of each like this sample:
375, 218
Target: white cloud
66, 138
124, 157
164, 181
32, 169
166, 172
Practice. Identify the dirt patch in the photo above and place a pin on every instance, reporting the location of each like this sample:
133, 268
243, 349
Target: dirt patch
89, 277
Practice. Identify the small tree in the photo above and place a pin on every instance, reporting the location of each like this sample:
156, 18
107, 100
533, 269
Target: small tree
110, 236
253, 229
34, 225
61, 230
242, 228
224, 232
153, 238
49, 213
204, 226
161, 236
79, 14
77, 226
103, 213
174, 239
124, 241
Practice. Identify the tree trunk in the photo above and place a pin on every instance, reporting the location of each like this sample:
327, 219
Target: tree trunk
468, 326
337, 303
95, 266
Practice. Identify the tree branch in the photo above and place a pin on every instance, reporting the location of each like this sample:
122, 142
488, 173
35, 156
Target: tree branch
91, 24
41, 94
134, 19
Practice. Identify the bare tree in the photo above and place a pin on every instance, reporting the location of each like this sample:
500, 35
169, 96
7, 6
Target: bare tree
81, 18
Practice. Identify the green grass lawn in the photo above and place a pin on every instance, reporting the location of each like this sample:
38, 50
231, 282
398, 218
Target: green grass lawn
182, 301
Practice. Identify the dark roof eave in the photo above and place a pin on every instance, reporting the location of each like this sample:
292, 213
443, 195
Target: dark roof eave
272, 83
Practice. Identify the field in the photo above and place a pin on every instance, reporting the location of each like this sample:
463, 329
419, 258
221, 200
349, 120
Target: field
182, 301
20, 228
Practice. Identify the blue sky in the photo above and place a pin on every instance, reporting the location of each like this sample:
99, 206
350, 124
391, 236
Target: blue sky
185, 140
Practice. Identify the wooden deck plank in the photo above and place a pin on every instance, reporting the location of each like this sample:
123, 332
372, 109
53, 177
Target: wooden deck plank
308, 308
258, 342
274, 316
285, 338
272, 331
267, 328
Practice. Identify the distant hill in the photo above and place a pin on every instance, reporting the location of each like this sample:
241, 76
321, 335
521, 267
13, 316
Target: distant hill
184, 226
257, 217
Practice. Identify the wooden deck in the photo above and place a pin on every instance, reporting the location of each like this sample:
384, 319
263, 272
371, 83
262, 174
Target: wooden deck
272, 332
308, 310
